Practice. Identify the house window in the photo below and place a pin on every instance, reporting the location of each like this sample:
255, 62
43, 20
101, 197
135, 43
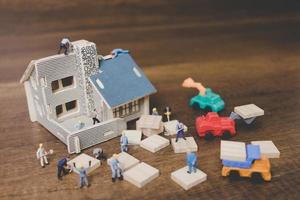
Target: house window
71, 105
61, 84
59, 110
67, 81
127, 109
55, 86
66, 108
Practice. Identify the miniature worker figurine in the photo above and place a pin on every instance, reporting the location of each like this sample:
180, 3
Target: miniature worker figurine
124, 143
42, 155
94, 117
64, 44
154, 111
180, 131
83, 180
191, 160
79, 125
168, 112
61, 170
116, 52
99, 154
115, 168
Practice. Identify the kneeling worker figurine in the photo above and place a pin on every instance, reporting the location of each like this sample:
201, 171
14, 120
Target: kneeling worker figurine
61, 167
64, 44
98, 153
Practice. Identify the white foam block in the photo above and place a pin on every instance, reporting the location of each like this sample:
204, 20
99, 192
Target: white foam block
154, 143
149, 121
186, 180
234, 151
267, 148
182, 146
83, 159
148, 132
248, 111
141, 174
170, 127
126, 161
134, 136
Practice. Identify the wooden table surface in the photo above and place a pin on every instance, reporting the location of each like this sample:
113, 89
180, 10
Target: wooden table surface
247, 51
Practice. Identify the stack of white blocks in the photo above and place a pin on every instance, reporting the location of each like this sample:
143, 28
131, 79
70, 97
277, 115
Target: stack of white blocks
182, 146
134, 136
150, 125
248, 111
170, 127
154, 143
267, 148
235, 151
84, 159
186, 180
136, 172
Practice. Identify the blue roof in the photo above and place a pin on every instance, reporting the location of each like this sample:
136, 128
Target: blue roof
120, 80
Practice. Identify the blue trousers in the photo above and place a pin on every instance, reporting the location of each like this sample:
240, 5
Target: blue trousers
116, 173
192, 168
84, 181
124, 148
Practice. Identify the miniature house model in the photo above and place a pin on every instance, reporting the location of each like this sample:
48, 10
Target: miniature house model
65, 91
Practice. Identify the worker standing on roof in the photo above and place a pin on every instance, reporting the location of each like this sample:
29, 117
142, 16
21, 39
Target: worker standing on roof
64, 44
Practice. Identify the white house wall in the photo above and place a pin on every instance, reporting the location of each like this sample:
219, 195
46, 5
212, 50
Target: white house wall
146, 105
99, 133
30, 103
41, 111
56, 68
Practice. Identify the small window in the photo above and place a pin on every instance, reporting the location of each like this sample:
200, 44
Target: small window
127, 109
59, 110
71, 105
66, 108
67, 81
55, 85
59, 85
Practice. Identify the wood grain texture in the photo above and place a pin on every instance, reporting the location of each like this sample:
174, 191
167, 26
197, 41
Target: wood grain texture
248, 52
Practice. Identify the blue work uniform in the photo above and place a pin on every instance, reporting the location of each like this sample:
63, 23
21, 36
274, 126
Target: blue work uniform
83, 177
115, 168
124, 143
191, 160
61, 168
180, 131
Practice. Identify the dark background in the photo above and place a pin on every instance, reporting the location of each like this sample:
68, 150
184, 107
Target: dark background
247, 51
